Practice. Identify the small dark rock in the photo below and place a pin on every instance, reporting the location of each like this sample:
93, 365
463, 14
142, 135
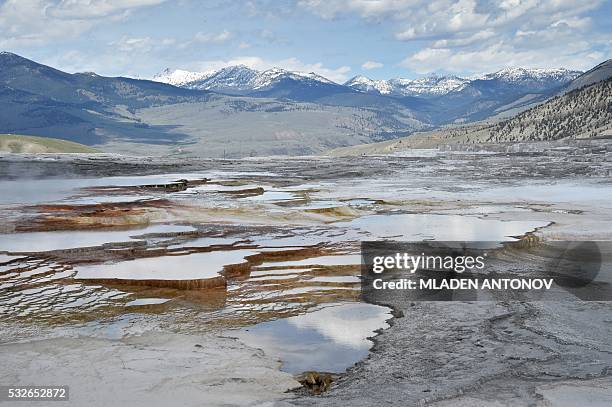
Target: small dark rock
316, 382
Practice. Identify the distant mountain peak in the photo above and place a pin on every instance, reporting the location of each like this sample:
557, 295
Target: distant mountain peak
89, 73
235, 68
519, 73
179, 77
440, 84
14, 57
243, 80
236, 78
365, 84
432, 85
303, 111
358, 78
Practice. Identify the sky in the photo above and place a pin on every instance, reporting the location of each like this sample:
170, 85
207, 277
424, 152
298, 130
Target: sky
338, 39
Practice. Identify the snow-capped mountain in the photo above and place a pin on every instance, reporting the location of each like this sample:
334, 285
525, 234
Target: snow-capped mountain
521, 75
365, 84
242, 80
179, 77
528, 80
271, 76
427, 86
238, 79
435, 85
89, 108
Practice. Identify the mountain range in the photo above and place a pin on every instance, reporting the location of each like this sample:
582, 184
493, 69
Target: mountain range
583, 109
434, 100
242, 80
238, 111
238, 79
426, 87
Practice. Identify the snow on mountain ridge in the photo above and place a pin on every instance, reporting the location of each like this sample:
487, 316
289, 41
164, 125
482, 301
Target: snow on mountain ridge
269, 76
242, 79
235, 78
515, 74
179, 77
435, 85
432, 85
366, 84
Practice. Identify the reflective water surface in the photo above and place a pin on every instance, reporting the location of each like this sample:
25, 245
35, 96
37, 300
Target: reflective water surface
280, 238
330, 339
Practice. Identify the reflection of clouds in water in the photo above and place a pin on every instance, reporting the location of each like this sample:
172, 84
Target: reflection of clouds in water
347, 324
36, 191
329, 339
60, 240
441, 227
188, 267
558, 191
332, 260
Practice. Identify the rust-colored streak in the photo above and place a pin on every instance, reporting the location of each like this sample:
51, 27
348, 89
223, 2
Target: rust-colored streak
94, 216
196, 284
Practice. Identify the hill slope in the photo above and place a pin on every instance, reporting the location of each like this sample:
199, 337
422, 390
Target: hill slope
147, 117
435, 100
599, 73
581, 113
283, 113
14, 143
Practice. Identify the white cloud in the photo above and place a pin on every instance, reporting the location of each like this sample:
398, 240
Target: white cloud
462, 42
208, 39
371, 65
104, 63
211, 38
271, 37
573, 22
292, 64
83, 9
348, 325
141, 45
370, 9
496, 56
40, 22
267, 35
427, 19
473, 35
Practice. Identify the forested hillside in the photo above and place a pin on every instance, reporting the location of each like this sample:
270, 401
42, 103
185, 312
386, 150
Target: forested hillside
585, 112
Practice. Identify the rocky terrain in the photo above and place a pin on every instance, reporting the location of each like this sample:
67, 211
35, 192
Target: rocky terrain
101, 263
482, 354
